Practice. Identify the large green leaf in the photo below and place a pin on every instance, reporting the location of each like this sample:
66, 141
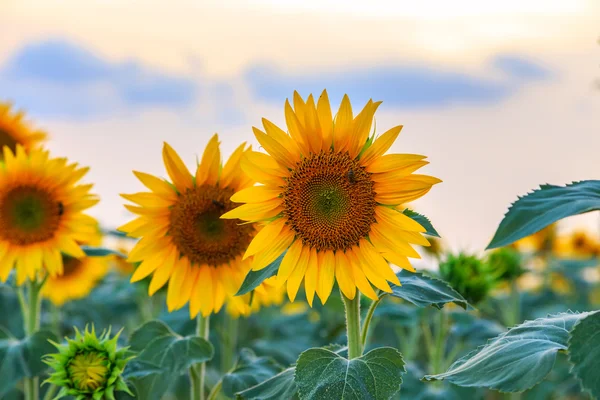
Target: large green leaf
542, 207
323, 374
255, 278
516, 360
159, 346
280, 386
101, 252
22, 358
423, 291
423, 220
249, 371
584, 352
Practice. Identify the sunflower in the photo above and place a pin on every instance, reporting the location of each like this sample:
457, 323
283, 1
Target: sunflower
267, 294
79, 277
41, 213
542, 240
14, 130
330, 197
579, 244
183, 240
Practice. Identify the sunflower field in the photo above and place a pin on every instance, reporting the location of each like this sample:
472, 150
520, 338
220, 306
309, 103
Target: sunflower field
284, 272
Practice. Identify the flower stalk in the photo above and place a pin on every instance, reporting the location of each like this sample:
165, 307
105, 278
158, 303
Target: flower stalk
198, 372
353, 325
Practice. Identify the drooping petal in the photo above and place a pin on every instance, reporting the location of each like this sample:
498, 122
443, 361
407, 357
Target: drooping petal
265, 237
343, 275
326, 275
311, 276
295, 279
278, 246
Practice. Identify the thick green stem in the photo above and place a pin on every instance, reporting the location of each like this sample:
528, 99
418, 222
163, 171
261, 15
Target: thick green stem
198, 372
51, 392
367, 322
353, 325
31, 321
229, 339
515, 304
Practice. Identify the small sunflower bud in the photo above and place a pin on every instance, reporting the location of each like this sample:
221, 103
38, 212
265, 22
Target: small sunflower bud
88, 367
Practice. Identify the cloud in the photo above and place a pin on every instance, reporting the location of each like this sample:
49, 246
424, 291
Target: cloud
58, 78
399, 85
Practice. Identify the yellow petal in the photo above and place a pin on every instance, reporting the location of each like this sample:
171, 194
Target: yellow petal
397, 175
279, 153
180, 175
296, 129
278, 246
7, 262
186, 288
255, 211
218, 291
390, 162
264, 238
179, 275
147, 199
295, 279
380, 146
232, 169
162, 274
265, 163
259, 173
312, 126
299, 106
157, 185
325, 119
133, 225
70, 247
362, 127
311, 276
289, 262
344, 276
358, 259
256, 194
397, 219
283, 139
382, 238
210, 165
148, 266
362, 283
342, 127
398, 260
207, 299
377, 262
326, 275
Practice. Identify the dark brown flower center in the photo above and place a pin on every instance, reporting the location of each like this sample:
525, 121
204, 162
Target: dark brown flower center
329, 201
199, 232
28, 214
70, 265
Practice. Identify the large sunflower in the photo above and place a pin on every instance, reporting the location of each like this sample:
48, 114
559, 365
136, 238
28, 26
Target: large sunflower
183, 240
329, 196
41, 213
14, 130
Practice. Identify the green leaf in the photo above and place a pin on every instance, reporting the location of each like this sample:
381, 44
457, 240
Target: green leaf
544, 206
280, 386
423, 220
322, 374
249, 371
139, 368
423, 291
22, 358
516, 360
91, 251
584, 352
160, 346
255, 278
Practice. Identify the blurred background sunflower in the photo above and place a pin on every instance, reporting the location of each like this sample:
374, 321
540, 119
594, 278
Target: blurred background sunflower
15, 130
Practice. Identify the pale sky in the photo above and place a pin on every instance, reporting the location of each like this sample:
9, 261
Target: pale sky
498, 95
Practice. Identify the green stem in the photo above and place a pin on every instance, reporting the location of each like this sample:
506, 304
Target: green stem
353, 325
515, 304
51, 392
198, 372
229, 339
31, 321
365, 328
215, 390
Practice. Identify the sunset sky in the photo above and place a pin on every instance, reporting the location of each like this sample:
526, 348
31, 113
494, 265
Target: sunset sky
499, 95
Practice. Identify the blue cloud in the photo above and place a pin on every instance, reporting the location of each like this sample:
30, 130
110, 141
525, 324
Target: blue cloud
61, 79
403, 86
